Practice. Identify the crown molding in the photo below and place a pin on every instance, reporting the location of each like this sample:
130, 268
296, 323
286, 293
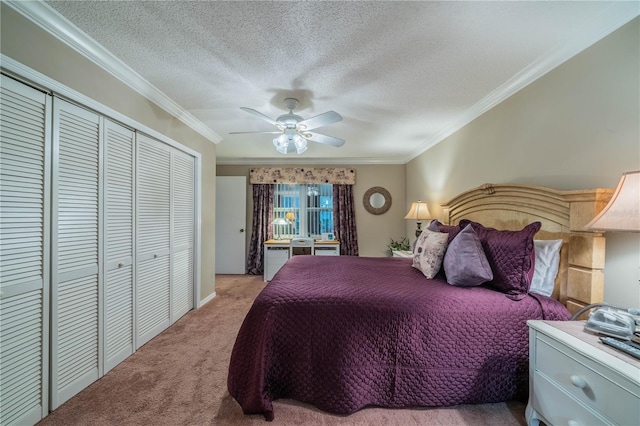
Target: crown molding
55, 24
305, 160
618, 14
29, 76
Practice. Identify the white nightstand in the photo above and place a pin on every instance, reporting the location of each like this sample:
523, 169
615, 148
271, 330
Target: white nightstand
402, 253
574, 379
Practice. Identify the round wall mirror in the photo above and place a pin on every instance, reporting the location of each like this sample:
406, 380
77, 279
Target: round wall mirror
377, 200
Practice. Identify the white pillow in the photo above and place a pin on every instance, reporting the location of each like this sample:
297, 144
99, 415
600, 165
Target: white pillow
546, 266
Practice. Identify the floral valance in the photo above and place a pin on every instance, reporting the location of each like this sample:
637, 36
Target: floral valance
333, 175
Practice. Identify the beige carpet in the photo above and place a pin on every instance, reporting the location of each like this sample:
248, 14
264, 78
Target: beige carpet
179, 378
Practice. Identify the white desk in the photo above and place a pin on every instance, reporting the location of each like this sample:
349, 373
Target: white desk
277, 252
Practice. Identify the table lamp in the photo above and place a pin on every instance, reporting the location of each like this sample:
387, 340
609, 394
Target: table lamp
621, 214
418, 211
623, 211
278, 222
290, 217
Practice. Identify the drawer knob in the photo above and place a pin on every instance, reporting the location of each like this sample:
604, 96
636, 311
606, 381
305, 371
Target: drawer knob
578, 382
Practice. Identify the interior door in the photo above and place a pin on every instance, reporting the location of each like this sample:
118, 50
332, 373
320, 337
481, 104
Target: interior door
25, 115
119, 218
231, 222
76, 251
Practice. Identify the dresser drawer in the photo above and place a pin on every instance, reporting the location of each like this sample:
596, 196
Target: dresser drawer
560, 408
277, 253
577, 376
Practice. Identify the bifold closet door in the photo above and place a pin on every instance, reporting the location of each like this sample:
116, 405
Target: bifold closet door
24, 252
183, 221
153, 243
119, 219
76, 252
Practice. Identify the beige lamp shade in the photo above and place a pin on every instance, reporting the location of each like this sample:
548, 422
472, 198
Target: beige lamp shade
418, 211
623, 211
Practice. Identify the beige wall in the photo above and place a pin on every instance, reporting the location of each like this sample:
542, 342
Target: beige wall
577, 127
374, 231
28, 44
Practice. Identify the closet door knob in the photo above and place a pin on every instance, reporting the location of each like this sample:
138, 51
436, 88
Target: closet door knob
241, 229
120, 265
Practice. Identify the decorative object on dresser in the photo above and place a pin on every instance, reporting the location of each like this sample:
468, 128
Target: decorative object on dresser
574, 379
419, 212
398, 245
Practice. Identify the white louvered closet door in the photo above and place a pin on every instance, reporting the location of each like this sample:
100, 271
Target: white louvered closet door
75, 254
183, 221
119, 219
24, 252
153, 243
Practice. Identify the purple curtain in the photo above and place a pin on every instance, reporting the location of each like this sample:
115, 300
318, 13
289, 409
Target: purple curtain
261, 227
344, 219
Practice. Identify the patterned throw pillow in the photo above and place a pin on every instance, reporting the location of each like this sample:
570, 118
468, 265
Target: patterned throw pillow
429, 252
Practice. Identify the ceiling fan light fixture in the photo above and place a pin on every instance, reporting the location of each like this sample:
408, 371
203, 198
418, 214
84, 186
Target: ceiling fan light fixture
300, 143
296, 130
281, 143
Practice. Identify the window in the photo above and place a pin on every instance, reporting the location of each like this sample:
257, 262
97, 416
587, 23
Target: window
307, 208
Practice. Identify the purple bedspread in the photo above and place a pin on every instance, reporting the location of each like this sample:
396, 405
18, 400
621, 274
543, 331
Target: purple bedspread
343, 333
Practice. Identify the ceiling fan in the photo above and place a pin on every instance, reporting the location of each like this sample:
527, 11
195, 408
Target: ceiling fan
295, 131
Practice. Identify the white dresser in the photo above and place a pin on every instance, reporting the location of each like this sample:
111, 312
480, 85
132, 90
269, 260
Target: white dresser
277, 252
574, 379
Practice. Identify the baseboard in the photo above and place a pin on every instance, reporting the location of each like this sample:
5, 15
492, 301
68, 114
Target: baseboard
207, 299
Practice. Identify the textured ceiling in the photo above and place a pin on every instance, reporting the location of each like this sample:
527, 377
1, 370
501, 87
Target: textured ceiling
402, 74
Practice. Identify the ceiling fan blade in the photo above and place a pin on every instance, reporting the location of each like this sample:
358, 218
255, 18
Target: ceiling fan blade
246, 133
318, 137
261, 115
320, 120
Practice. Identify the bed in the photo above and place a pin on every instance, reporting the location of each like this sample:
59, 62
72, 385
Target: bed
343, 333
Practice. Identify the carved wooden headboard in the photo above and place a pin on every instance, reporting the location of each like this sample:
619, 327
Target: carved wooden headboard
563, 215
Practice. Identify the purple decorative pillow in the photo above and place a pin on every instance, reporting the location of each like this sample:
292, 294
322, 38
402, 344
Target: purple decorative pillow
510, 255
452, 230
429, 251
465, 263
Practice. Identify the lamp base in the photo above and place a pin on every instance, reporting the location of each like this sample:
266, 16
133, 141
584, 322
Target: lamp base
419, 230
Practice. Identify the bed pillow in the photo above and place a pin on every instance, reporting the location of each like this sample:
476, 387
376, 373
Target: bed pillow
546, 266
452, 230
429, 251
510, 255
465, 263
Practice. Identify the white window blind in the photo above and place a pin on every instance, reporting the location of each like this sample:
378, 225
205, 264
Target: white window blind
308, 208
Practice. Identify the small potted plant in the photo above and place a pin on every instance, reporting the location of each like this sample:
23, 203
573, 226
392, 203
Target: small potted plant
400, 245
